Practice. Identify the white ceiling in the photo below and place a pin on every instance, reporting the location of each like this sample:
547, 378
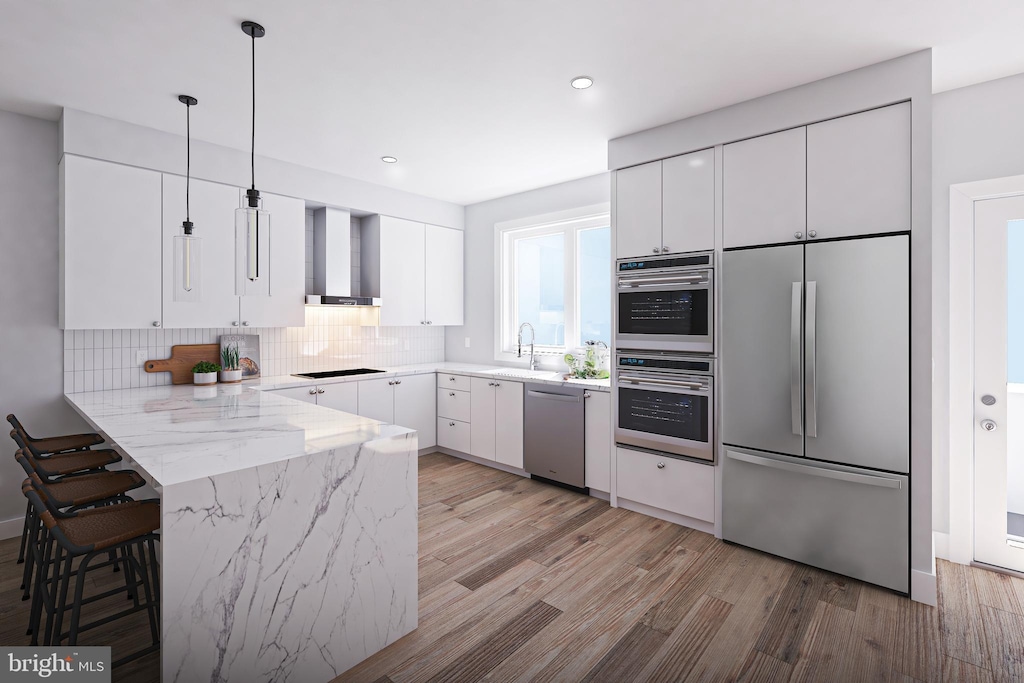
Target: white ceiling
472, 96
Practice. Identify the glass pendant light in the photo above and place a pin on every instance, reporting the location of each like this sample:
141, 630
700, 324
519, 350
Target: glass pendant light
252, 222
188, 278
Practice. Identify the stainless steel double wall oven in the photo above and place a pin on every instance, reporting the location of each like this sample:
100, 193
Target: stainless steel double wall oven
664, 367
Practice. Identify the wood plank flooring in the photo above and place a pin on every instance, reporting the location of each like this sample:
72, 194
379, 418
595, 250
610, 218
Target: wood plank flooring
520, 581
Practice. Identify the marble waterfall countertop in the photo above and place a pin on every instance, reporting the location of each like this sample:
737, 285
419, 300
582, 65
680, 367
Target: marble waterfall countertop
184, 433
469, 369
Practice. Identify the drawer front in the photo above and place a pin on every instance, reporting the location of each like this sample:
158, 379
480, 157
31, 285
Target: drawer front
453, 404
680, 486
457, 382
453, 434
847, 520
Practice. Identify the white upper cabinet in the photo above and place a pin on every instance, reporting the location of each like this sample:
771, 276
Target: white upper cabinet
666, 206
415, 269
765, 189
285, 307
109, 245
688, 202
858, 174
444, 271
638, 210
212, 210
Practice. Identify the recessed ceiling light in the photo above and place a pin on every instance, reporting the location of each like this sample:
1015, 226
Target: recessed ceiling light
389, 160
582, 82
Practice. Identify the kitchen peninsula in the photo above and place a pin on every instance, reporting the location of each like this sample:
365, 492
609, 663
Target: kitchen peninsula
288, 535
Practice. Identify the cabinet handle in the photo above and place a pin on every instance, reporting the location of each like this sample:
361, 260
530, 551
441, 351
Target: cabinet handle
812, 233
664, 250
312, 392
657, 250
586, 394
391, 382
320, 391
661, 465
245, 323
490, 384
798, 235
398, 381
451, 379
497, 384
452, 394
156, 323
451, 424
234, 323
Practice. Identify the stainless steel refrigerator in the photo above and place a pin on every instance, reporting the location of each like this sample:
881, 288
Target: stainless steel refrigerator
816, 404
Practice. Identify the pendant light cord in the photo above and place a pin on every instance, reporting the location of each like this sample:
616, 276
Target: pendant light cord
188, 158
252, 152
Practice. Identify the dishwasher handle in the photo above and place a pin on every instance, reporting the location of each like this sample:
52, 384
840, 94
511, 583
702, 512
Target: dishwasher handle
553, 397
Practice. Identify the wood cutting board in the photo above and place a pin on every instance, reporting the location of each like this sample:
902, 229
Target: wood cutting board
183, 358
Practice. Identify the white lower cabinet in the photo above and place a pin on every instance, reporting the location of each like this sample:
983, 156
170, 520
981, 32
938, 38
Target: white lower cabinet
406, 401
598, 440
415, 407
306, 394
679, 486
343, 397
496, 426
377, 399
453, 404
335, 396
453, 434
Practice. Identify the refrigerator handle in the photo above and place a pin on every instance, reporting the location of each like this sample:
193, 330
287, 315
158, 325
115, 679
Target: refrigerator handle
794, 359
812, 359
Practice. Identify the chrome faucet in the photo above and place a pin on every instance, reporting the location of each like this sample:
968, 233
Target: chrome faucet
533, 336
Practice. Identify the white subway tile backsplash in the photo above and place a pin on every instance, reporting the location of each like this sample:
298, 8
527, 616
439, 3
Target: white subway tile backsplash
331, 339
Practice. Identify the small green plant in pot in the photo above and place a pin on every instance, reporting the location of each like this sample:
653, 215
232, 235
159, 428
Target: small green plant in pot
204, 373
585, 365
232, 372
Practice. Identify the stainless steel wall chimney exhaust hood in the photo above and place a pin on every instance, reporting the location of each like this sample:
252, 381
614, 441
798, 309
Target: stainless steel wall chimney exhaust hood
332, 261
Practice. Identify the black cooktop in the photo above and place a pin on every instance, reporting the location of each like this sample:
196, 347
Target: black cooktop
338, 373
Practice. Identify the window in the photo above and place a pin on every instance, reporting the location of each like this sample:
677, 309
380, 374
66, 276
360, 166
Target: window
556, 275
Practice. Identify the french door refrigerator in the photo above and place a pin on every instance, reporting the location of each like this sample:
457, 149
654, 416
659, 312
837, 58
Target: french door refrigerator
816, 404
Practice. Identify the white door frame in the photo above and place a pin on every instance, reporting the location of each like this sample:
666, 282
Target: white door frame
961, 356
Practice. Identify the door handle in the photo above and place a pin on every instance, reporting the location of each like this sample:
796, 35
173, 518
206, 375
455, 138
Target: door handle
989, 425
794, 360
553, 397
854, 478
811, 390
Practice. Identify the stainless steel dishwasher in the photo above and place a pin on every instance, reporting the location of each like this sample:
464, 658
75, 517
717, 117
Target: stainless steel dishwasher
553, 434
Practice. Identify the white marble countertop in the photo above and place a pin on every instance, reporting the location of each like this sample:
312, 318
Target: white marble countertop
184, 433
516, 374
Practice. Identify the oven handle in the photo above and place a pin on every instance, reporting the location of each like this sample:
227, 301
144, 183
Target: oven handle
642, 381
695, 279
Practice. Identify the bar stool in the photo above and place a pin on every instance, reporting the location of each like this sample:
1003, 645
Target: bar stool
84, 536
73, 492
55, 444
56, 465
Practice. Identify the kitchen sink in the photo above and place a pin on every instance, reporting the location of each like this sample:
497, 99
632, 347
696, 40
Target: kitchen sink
526, 374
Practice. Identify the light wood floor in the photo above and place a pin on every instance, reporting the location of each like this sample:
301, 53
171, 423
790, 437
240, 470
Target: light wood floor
520, 581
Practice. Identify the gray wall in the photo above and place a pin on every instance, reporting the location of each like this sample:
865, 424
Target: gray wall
479, 256
977, 135
31, 345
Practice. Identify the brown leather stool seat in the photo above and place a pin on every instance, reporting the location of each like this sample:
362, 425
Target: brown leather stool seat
102, 528
75, 461
54, 444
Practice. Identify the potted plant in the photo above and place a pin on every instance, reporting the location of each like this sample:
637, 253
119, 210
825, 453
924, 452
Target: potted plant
232, 372
204, 373
586, 363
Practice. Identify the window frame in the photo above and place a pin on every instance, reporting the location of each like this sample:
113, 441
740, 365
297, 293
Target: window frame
571, 223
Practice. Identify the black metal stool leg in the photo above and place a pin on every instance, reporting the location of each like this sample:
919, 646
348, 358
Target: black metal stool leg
24, 534
33, 539
155, 568
45, 551
76, 607
61, 599
151, 604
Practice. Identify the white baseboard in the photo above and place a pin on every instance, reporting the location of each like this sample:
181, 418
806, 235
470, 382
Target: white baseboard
11, 528
924, 587
941, 541
681, 520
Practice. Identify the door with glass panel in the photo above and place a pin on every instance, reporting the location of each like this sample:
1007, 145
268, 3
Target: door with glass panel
999, 382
